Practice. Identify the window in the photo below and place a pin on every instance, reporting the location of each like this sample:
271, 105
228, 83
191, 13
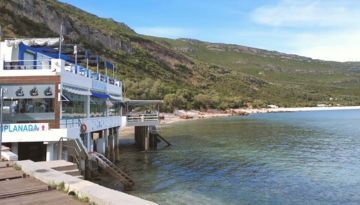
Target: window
29, 60
115, 110
75, 107
36, 105
28, 109
97, 107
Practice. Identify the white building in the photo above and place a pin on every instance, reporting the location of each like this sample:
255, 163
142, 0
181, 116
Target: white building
50, 98
273, 106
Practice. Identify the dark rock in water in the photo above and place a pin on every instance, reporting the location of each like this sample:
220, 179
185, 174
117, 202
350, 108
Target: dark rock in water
184, 117
237, 113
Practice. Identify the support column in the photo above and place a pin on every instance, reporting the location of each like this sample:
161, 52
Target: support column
116, 138
112, 152
137, 136
107, 147
49, 152
153, 140
89, 142
146, 138
15, 148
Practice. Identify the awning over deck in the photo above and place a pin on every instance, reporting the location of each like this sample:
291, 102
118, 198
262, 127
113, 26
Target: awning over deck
78, 92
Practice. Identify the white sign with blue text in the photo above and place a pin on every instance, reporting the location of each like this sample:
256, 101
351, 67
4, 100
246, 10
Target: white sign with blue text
31, 127
99, 85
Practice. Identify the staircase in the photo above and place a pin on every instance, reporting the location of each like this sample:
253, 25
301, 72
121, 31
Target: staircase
76, 149
154, 131
115, 171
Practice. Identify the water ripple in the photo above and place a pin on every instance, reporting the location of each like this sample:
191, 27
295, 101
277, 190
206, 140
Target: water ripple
288, 158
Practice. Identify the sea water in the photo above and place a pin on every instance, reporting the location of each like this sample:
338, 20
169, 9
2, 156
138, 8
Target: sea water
272, 158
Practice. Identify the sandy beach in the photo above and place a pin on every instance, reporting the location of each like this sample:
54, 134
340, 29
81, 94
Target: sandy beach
170, 118
296, 109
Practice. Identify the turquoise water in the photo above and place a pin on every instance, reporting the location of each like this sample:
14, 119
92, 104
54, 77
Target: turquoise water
278, 158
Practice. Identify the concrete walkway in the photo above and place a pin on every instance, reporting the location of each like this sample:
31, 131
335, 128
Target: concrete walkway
96, 193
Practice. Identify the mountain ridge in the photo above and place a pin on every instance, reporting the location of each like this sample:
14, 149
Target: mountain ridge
189, 73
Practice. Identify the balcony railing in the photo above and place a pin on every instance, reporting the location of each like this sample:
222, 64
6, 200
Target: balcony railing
142, 117
27, 65
46, 64
76, 69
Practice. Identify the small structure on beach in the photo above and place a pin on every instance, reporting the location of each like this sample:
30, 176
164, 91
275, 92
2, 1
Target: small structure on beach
273, 106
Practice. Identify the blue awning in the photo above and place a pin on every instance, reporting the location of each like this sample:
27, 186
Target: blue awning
53, 53
99, 95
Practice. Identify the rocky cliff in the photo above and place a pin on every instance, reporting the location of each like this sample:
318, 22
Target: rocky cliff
224, 73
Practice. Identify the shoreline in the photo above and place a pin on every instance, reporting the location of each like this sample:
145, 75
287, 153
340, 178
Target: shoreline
297, 109
170, 118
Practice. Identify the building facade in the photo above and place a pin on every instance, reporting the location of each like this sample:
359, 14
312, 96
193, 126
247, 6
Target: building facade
49, 98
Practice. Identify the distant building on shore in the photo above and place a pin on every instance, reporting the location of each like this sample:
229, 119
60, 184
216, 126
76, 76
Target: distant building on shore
273, 106
322, 105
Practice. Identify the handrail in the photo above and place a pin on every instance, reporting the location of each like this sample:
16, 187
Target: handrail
46, 64
62, 145
142, 117
112, 169
34, 64
77, 161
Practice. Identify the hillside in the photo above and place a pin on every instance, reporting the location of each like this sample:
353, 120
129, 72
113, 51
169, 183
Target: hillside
188, 73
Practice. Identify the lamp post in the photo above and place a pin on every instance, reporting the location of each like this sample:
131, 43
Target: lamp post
2, 92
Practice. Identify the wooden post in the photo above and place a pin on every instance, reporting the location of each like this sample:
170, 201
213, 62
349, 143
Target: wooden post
117, 151
146, 137
107, 147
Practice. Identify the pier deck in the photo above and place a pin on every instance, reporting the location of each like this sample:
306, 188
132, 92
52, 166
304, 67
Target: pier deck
22, 191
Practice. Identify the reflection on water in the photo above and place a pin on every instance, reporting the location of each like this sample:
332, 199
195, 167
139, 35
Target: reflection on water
284, 158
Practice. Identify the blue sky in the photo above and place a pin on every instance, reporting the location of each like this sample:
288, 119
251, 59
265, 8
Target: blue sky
320, 29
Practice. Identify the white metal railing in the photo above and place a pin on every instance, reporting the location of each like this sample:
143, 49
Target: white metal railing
45, 64
142, 117
27, 64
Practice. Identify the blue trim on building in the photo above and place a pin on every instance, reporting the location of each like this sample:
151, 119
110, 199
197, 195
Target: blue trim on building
99, 95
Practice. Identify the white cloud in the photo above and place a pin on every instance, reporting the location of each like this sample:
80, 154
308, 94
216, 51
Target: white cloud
164, 31
309, 13
327, 30
336, 45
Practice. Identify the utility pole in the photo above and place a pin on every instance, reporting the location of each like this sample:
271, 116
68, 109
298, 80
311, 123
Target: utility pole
61, 37
2, 92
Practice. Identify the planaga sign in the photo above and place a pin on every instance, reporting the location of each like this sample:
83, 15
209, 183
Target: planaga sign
33, 127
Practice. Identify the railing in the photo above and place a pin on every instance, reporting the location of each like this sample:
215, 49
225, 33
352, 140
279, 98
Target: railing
76, 69
142, 117
27, 64
60, 145
112, 169
45, 64
71, 112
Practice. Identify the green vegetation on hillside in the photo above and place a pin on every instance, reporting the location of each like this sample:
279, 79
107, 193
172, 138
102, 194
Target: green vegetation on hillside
190, 74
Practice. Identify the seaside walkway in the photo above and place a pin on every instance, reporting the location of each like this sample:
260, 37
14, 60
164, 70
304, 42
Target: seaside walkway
83, 188
18, 189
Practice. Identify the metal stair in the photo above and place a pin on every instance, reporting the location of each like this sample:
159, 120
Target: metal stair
154, 130
115, 171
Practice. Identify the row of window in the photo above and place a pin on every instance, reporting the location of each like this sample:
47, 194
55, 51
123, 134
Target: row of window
36, 105
70, 109
76, 107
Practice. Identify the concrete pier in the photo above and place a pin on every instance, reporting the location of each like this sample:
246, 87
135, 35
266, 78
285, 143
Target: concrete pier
153, 140
95, 192
142, 137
